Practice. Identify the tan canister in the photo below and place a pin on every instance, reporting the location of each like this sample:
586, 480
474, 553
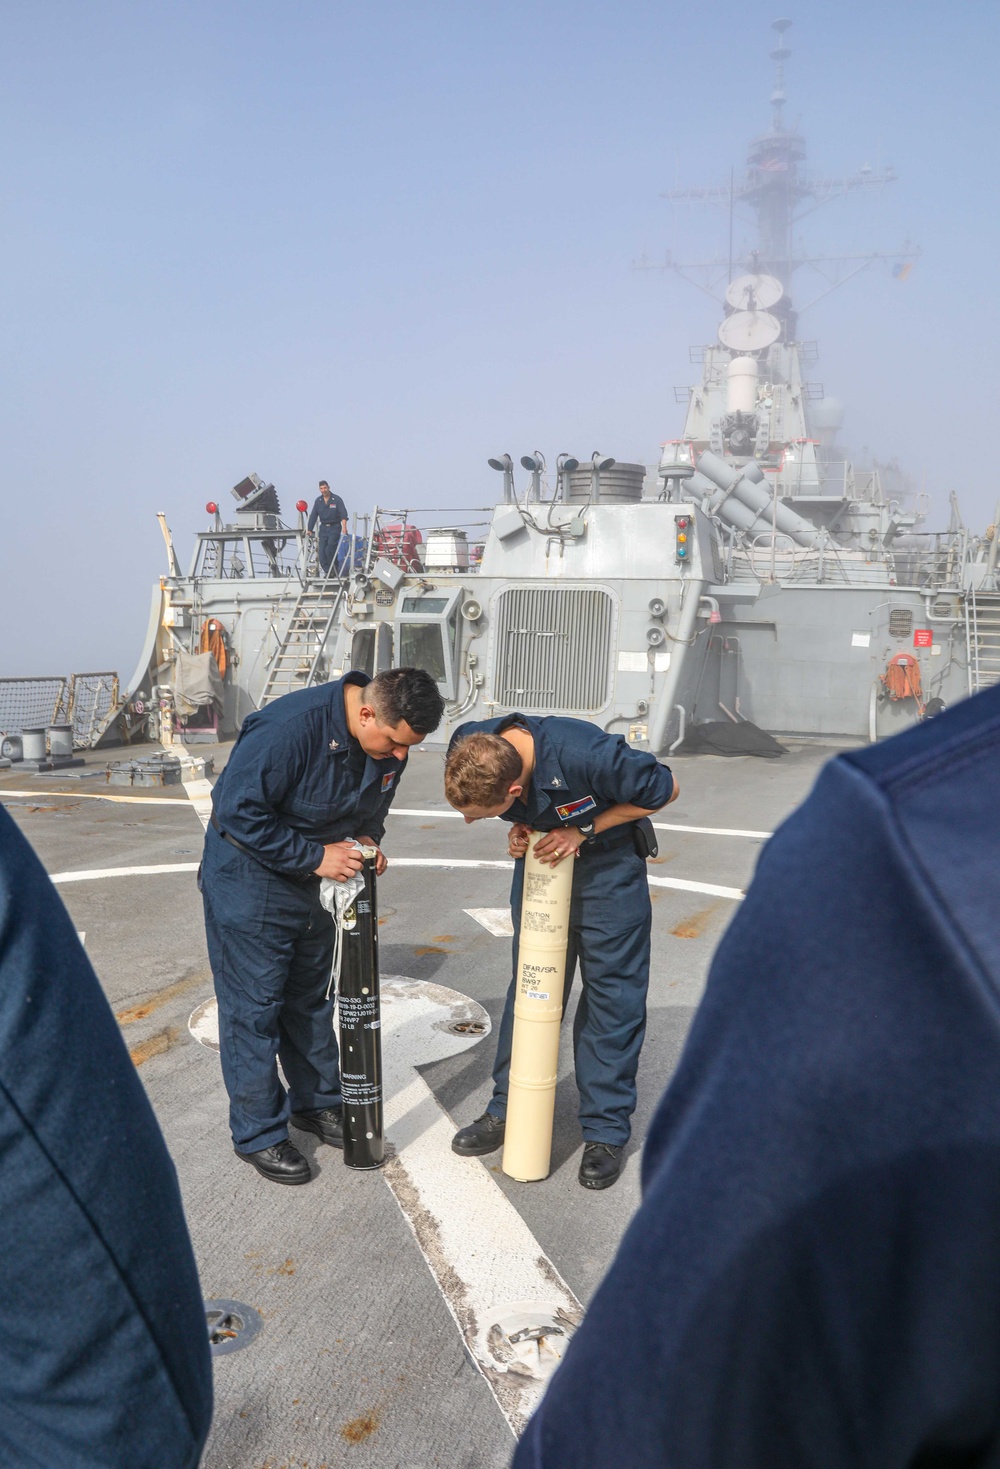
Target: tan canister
541, 973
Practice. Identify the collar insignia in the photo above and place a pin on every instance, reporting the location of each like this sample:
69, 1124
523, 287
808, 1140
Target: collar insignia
555, 781
334, 744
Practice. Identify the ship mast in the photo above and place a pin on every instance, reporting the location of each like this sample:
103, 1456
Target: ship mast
779, 194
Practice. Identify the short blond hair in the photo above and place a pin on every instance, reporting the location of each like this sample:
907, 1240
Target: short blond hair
480, 771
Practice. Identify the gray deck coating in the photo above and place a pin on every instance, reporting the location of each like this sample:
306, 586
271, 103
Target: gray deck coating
359, 1362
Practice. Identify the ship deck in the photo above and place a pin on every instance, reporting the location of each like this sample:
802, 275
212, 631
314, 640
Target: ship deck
360, 1360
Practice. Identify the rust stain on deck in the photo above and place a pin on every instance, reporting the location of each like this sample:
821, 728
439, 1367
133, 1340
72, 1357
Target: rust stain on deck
154, 1045
694, 926
160, 997
361, 1428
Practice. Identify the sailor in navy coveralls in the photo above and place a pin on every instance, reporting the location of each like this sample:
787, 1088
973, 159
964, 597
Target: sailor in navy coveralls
587, 789
103, 1349
330, 512
308, 773
813, 1278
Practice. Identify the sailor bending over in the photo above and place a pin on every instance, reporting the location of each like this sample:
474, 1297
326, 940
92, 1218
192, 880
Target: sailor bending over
587, 790
308, 773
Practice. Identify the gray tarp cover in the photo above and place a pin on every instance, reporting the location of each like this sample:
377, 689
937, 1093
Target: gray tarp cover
196, 682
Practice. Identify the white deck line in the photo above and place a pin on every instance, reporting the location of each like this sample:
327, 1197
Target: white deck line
94, 874
683, 886
706, 831
713, 831
97, 796
199, 793
496, 921
197, 796
485, 1261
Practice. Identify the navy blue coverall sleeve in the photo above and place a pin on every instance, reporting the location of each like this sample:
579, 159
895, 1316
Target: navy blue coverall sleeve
265, 768
813, 1277
314, 513
627, 777
103, 1347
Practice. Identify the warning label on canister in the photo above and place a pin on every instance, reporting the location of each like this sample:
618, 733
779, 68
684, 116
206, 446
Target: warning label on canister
534, 922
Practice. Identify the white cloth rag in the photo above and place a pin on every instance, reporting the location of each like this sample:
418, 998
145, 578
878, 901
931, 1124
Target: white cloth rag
336, 898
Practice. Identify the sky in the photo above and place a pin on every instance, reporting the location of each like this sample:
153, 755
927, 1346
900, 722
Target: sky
379, 242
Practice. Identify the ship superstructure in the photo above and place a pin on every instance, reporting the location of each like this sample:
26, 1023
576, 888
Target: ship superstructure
752, 574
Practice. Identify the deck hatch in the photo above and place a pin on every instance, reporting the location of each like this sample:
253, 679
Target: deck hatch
553, 648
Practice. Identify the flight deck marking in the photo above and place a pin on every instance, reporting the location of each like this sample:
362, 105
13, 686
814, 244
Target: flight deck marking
496, 921
713, 831
197, 796
706, 831
199, 793
92, 874
99, 796
486, 1262
681, 884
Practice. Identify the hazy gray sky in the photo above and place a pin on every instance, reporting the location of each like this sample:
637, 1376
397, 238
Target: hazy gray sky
379, 242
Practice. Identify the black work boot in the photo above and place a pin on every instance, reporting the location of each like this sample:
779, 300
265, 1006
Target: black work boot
282, 1163
327, 1124
600, 1165
484, 1135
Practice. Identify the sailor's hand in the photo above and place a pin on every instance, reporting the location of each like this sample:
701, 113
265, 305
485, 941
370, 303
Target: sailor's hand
380, 861
341, 860
517, 839
555, 845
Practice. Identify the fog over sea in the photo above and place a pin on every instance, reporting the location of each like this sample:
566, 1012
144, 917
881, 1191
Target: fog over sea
378, 243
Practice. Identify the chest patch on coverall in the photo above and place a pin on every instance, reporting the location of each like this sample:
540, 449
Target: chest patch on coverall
576, 808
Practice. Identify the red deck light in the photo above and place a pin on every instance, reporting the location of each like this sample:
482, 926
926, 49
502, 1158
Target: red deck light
301, 506
212, 508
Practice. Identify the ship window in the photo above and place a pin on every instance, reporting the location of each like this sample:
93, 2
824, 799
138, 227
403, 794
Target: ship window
363, 651
421, 646
900, 622
428, 606
427, 637
383, 647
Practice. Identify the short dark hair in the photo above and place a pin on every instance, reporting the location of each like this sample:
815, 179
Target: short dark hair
408, 694
324, 484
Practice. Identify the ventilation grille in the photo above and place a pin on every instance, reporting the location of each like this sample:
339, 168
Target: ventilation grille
900, 622
944, 607
553, 649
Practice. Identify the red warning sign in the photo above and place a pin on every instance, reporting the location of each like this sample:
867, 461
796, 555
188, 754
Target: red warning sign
923, 637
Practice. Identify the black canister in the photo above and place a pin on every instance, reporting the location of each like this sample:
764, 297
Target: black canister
359, 1017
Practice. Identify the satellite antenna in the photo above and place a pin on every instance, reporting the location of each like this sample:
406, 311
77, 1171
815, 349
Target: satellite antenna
749, 331
754, 292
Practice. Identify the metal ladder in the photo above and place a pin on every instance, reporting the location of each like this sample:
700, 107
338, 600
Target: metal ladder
295, 663
982, 632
